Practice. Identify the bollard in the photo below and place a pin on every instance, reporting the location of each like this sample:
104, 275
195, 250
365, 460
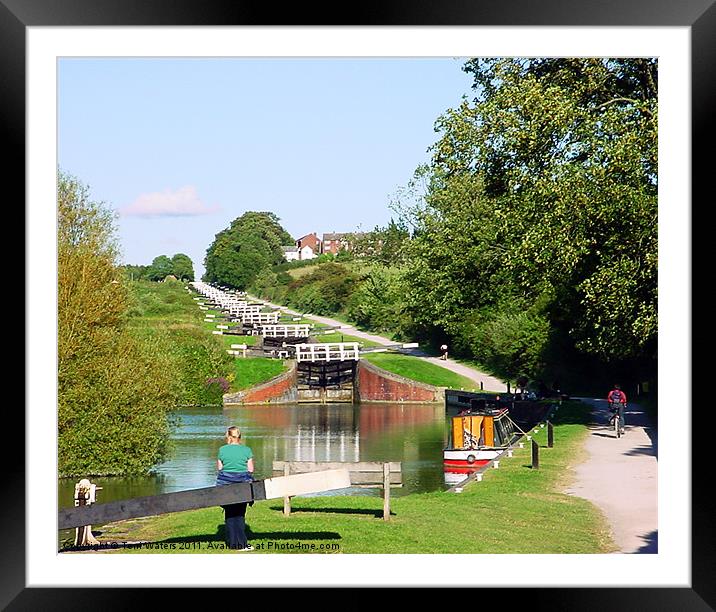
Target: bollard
550, 434
478, 477
85, 494
496, 464
482, 386
535, 455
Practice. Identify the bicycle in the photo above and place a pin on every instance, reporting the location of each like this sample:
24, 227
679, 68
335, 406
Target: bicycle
617, 421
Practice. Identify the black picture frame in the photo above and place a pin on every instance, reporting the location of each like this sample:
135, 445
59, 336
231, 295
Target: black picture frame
699, 15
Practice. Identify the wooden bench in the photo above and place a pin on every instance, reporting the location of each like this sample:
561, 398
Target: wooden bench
364, 474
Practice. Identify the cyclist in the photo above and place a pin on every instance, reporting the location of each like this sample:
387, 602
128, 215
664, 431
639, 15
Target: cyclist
617, 403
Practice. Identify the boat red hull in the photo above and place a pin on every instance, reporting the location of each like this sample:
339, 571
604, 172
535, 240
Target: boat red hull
462, 465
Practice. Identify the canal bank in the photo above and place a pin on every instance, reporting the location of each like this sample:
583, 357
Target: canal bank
471, 377
512, 510
368, 383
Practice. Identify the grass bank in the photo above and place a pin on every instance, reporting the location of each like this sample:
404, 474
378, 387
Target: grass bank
168, 313
514, 510
419, 370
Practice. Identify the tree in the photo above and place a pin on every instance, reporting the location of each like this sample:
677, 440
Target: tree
249, 245
542, 199
182, 267
384, 245
114, 392
160, 268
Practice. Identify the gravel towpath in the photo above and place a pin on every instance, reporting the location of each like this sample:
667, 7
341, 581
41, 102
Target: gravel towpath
620, 477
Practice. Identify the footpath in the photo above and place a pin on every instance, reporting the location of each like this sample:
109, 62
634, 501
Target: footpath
620, 477
489, 383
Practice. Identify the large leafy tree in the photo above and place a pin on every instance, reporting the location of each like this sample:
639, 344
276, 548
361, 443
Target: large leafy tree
251, 243
114, 392
182, 267
160, 268
540, 213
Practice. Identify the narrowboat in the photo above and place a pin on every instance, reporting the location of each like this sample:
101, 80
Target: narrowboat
477, 436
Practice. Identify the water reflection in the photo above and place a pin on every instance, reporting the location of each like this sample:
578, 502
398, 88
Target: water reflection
412, 433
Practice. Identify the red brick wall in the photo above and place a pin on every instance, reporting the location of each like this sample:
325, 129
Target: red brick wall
281, 389
378, 385
310, 240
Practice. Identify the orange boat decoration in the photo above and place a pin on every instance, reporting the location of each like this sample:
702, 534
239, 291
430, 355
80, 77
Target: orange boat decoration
477, 436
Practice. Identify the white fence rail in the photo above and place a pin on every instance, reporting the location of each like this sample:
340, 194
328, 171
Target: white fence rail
288, 331
329, 351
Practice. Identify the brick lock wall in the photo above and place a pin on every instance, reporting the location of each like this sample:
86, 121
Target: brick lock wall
282, 389
378, 385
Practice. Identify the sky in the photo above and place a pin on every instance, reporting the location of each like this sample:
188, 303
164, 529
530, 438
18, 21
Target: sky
181, 147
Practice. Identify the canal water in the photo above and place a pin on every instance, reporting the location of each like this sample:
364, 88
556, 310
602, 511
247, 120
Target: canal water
414, 434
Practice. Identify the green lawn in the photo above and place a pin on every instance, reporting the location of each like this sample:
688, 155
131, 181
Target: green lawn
255, 370
339, 337
247, 340
422, 371
515, 509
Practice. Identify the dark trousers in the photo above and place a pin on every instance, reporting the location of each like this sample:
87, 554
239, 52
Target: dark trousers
234, 514
618, 407
235, 525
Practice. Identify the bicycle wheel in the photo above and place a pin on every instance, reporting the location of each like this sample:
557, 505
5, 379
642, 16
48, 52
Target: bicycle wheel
617, 426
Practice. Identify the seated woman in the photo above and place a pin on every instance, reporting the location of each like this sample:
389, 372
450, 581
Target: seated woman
235, 463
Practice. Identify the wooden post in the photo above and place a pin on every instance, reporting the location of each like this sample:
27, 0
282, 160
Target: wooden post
550, 434
482, 386
287, 498
535, 455
386, 491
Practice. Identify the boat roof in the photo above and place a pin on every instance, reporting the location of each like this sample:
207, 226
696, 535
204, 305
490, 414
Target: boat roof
484, 411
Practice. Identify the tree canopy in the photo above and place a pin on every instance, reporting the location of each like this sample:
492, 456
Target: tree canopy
538, 224
114, 392
182, 267
251, 244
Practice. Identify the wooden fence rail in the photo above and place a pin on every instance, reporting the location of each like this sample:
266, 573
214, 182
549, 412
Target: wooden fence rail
365, 474
271, 488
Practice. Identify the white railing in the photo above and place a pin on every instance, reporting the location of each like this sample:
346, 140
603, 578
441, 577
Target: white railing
259, 317
329, 351
288, 331
242, 310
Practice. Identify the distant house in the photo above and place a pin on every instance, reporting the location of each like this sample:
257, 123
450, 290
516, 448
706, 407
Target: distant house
335, 242
291, 253
308, 246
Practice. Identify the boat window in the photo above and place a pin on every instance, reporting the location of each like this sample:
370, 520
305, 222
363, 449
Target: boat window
503, 432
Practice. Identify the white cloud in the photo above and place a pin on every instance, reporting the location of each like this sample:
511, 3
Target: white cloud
183, 202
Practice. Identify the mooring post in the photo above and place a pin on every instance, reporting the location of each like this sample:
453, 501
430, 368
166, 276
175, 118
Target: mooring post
287, 498
482, 386
550, 434
386, 491
535, 455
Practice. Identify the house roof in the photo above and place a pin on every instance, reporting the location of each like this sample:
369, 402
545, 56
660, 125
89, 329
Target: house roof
341, 235
313, 235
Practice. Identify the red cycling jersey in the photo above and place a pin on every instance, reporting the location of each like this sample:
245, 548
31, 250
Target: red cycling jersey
616, 395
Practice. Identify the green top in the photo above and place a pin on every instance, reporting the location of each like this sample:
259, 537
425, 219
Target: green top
235, 457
